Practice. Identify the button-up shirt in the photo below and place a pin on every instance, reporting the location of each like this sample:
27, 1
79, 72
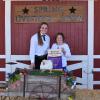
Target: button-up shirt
36, 49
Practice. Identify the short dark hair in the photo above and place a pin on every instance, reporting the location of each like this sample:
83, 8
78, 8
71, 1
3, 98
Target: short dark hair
59, 33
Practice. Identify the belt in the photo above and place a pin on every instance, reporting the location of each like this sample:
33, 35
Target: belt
41, 57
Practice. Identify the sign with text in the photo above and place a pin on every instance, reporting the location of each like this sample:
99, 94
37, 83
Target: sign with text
55, 55
48, 13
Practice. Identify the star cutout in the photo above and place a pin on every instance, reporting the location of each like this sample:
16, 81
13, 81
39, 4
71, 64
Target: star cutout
25, 10
72, 10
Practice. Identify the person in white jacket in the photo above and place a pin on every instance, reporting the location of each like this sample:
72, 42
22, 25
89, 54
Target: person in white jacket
60, 44
39, 46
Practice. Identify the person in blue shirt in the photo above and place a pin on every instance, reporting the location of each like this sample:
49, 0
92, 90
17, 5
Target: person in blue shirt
39, 46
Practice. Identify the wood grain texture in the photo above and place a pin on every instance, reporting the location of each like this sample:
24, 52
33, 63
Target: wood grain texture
97, 28
75, 33
2, 27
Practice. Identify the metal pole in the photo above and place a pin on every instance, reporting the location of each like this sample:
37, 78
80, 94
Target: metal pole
24, 81
59, 92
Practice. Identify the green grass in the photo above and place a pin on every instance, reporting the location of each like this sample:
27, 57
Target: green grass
46, 73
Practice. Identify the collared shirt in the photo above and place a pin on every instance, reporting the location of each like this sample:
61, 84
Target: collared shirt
36, 49
67, 50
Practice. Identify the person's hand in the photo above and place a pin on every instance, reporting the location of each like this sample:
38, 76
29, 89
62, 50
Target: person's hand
32, 66
64, 52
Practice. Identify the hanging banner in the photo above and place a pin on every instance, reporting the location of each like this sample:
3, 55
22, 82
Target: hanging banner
48, 13
55, 55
